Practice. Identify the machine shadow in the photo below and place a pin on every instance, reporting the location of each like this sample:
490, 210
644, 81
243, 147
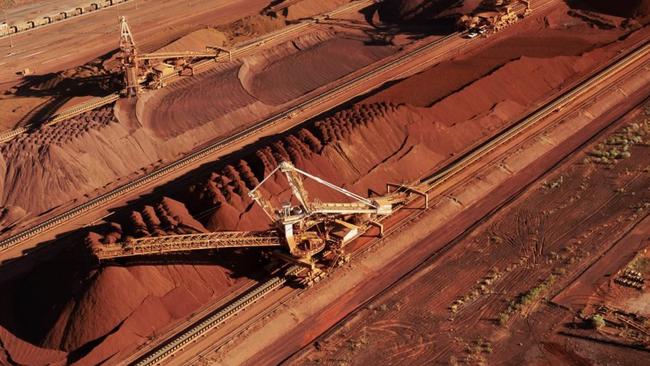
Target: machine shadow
231, 260
61, 87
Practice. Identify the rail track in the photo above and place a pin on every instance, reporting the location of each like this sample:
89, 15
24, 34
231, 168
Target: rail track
215, 319
62, 116
202, 66
206, 152
169, 348
40, 23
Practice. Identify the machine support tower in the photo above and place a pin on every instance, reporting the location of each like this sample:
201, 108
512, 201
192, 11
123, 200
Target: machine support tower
129, 60
302, 233
148, 70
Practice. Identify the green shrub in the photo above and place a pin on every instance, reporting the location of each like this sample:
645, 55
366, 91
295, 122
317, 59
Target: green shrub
597, 321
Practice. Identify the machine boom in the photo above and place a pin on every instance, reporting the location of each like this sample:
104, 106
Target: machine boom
302, 231
188, 242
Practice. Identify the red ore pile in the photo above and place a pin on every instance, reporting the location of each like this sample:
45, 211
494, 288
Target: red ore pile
408, 11
91, 315
15, 351
638, 9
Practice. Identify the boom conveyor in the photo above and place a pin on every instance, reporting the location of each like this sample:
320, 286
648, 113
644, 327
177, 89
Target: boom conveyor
188, 242
300, 231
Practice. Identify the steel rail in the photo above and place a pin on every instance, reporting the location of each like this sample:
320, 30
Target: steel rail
216, 318
433, 181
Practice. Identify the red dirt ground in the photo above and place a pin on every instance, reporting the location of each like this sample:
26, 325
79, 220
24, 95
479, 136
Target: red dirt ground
494, 310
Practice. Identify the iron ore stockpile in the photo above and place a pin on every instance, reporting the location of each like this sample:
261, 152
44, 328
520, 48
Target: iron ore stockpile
360, 182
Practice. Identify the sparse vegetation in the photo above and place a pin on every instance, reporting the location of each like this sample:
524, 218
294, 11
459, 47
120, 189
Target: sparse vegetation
640, 264
525, 299
495, 239
481, 287
617, 147
597, 321
640, 207
553, 184
503, 318
477, 350
559, 271
357, 344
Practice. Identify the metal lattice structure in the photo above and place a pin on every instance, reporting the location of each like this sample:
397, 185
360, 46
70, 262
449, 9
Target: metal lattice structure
360, 205
129, 59
341, 208
126, 37
175, 55
303, 231
188, 242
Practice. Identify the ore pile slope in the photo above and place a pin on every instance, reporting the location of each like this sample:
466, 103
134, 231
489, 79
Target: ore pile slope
307, 8
55, 164
409, 11
60, 163
637, 9
93, 314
